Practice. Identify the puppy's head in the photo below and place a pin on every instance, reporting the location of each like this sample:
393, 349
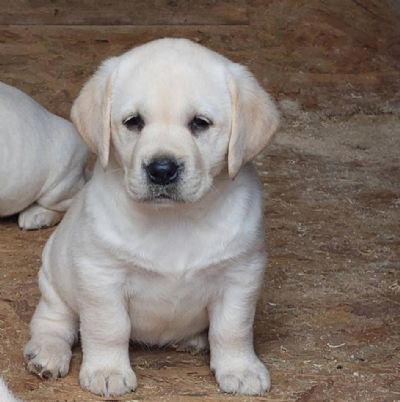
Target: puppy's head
174, 114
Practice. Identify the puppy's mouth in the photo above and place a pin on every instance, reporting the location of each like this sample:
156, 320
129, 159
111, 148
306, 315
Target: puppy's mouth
161, 201
163, 195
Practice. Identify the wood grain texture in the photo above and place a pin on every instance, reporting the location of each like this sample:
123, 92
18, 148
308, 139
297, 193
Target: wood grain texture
122, 12
309, 52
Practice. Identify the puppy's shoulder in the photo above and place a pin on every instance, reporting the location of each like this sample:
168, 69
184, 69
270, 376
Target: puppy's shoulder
247, 184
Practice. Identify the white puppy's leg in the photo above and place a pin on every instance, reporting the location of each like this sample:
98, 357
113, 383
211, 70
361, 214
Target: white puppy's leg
53, 331
36, 217
5, 393
236, 366
105, 332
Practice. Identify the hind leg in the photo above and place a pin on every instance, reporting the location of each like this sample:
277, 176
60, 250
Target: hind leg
195, 345
53, 331
36, 217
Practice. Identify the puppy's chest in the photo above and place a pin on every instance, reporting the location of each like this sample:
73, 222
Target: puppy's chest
170, 275
166, 308
181, 252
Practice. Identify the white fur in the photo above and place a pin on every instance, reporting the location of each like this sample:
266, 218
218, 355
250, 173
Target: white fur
41, 161
5, 394
124, 266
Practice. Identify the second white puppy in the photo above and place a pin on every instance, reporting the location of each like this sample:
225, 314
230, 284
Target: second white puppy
42, 161
161, 246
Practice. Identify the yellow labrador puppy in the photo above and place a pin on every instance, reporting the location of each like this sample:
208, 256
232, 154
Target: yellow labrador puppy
162, 246
42, 161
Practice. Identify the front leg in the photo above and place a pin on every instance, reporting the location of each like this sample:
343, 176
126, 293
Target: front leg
236, 366
54, 328
105, 331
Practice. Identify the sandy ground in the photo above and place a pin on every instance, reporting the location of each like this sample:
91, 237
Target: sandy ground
328, 320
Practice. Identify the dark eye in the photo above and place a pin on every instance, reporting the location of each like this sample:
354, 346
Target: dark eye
199, 123
134, 123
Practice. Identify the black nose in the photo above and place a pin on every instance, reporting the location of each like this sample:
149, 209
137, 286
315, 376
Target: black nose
162, 171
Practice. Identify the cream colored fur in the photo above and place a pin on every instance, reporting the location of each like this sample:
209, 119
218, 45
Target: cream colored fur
42, 161
181, 270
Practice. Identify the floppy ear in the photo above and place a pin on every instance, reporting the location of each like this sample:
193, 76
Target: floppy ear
91, 111
254, 118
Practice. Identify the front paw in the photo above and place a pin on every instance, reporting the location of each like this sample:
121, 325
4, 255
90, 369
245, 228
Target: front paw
243, 377
47, 359
108, 381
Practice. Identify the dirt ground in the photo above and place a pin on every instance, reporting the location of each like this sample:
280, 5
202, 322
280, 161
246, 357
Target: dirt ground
328, 323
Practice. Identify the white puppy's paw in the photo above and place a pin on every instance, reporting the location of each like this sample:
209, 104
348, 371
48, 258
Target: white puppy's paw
196, 344
48, 359
36, 217
247, 378
108, 382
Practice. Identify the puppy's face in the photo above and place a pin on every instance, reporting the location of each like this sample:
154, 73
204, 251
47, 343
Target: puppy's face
174, 114
170, 121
